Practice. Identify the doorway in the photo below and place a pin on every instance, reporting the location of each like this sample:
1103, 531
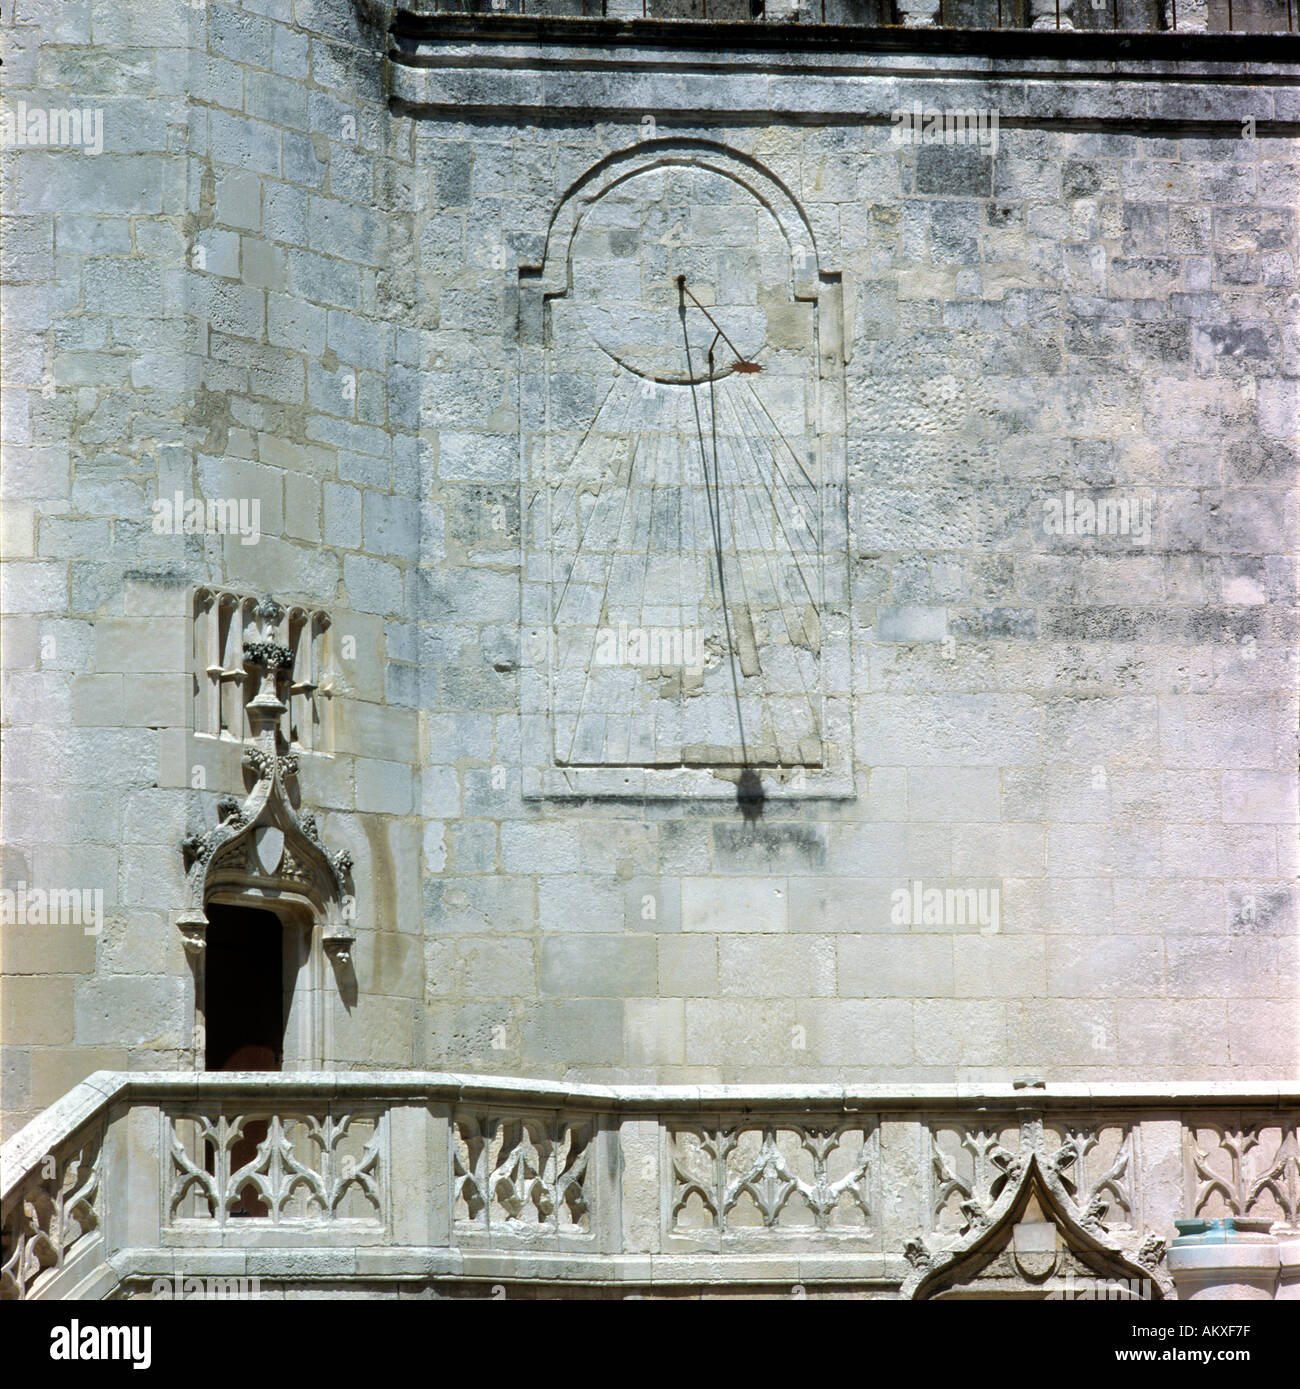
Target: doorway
244, 1016
244, 1011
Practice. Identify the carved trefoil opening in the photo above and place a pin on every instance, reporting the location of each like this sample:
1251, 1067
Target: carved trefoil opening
224, 683
684, 534
742, 1181
525, 1175
267, 852
289, 1167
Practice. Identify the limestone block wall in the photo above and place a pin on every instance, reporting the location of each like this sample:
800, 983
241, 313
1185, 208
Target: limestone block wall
215, 307
1097, 730
293, 277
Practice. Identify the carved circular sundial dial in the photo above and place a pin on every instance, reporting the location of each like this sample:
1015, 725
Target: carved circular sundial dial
659, 227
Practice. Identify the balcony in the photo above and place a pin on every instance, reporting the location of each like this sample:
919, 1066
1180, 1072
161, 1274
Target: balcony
389, 1182
1129, 16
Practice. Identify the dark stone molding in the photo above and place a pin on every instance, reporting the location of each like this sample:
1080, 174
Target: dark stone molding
1230, 50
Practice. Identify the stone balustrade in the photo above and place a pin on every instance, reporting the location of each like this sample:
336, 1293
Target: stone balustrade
1133, 16
426, 1181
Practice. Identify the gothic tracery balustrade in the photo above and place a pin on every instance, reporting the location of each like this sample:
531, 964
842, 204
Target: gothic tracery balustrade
476, 1177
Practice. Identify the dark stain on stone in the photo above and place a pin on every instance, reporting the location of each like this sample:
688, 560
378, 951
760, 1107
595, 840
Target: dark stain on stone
1259, 913
758, 844
383, 878
1229, 340
749, 795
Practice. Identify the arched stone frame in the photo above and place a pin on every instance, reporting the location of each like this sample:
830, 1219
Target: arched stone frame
958, 1268
550, 277
266, 853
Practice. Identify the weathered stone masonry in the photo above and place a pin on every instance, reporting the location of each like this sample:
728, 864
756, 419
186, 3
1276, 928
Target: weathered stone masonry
374, 271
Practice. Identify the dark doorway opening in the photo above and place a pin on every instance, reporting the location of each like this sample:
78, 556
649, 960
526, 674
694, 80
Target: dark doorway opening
244, 990
244, 1022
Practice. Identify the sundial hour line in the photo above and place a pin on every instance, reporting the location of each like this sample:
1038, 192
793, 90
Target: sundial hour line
768, 560
777, 512
577, 501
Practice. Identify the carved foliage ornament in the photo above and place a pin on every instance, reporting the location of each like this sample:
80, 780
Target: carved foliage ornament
263, 844
522, 1174
52, 1211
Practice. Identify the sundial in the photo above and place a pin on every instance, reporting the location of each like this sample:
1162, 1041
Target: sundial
680, 527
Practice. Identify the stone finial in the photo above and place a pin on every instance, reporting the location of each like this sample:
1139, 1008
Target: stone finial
1188, 16
262, 649
916, 1254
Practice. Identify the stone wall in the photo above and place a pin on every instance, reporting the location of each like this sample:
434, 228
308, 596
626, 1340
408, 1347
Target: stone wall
301, 276
217, 305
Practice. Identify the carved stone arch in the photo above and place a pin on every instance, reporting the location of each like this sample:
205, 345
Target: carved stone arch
554, 270
263, 852
1064, 1253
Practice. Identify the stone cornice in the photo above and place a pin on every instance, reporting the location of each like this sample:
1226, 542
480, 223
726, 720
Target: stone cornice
797, 40
1186, 90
